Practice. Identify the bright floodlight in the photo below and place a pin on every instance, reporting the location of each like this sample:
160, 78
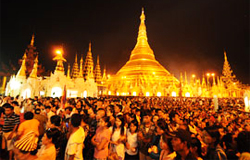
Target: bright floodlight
134, 93
58, 51
158, 94
173, 94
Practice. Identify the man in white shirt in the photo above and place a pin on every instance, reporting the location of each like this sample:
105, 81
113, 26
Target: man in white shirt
77, 136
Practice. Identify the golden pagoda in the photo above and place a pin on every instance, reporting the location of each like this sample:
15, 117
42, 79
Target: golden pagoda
142, 74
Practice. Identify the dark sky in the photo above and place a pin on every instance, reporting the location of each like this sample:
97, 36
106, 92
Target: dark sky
185, 35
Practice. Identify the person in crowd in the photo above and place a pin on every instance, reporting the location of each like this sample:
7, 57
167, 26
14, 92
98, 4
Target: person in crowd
68, 111
195, 148
118, 109
228, 144
16, 107
30, 124
11, 121
101, 138
48, 149
145, 135
181, 144
49, 112
42, 121
243, 145
75, 143
131, 144
118, 137
211, 137
167, 152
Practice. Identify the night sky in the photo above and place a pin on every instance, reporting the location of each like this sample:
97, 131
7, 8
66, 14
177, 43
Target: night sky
185, 35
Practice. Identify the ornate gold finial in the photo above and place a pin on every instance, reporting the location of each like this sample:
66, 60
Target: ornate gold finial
33, 73
142, 15
68, 72
97, 60
22, 70
76, 58
81, 69
225, 55
89, 46
32, 40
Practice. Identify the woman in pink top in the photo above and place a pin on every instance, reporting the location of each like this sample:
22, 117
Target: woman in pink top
101, 139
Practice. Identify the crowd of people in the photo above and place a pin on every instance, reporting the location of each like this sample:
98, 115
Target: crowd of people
118, 128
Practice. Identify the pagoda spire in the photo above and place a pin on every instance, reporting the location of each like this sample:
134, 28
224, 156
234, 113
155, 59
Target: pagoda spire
142, 48
22, 70
227, 72
203, 83
186, 78
98, 74
59, 58
104, 76
88, 65
33, 73
81, 69
68, 72
75, 70
32, 40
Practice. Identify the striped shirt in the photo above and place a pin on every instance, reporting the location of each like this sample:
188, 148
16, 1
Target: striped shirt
10, 122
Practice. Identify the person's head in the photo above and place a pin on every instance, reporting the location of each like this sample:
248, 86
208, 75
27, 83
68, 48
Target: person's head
119, 123
147, 117
174, 117
195, 147
181, 140
211, 136
110, 110
68, 110
51, 136
75, 120
133, 126
37, 111
8, 109
243, 142
79, 104
14, 103
104, 122
161, 126
28, 115
159, 113
155, 118
117, 108
47, 108
56, 120
100, 113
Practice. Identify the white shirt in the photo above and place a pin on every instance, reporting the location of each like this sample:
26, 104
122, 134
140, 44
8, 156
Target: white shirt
132, 141
75, 145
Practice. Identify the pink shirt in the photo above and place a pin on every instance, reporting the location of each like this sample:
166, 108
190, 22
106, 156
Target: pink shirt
100, 135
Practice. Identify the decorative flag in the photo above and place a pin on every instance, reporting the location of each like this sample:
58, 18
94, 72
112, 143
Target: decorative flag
63, 100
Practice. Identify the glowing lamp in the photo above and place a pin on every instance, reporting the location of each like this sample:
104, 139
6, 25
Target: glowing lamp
58, 51
187, 94
42, 93
173, 94
134, 93
158, 94
85, 94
